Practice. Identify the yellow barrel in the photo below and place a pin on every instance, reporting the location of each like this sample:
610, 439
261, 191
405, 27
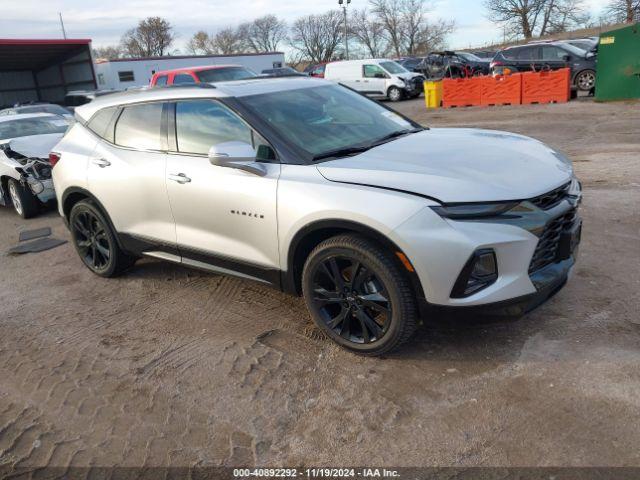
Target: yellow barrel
433, 94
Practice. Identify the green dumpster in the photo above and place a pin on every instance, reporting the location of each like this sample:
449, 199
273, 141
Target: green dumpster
618, 75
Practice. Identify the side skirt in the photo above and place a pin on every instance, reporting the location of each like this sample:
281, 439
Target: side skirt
200, 259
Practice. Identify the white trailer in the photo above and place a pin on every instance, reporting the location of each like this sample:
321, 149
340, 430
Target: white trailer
124, 73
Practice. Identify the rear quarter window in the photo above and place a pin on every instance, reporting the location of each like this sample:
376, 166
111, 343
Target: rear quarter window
101, 123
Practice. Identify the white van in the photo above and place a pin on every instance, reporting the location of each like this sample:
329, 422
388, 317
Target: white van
380, 78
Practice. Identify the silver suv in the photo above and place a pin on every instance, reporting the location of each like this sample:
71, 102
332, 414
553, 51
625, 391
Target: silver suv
312, 188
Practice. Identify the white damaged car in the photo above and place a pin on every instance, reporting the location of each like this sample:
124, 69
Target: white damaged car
25, 171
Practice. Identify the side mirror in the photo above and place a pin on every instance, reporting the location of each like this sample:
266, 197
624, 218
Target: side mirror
567, 58
380, 75
238, 155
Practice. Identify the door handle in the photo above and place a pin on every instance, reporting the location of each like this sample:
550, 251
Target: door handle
101, 162
179, 178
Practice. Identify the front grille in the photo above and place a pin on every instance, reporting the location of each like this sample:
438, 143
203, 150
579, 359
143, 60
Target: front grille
547, 249
552, 198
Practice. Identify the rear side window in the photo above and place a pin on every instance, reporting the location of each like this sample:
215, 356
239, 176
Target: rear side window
161, 80
99, 123
139, 126
528, 54
183, 78
200, 124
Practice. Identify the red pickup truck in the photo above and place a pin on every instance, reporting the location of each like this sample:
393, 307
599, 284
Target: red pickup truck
205, 74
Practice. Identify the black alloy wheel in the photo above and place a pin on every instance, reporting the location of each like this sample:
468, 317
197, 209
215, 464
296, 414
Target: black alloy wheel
91, 240
95, 241
351, 299
359, 294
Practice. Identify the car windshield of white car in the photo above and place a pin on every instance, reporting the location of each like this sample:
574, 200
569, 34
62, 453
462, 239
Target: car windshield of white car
32, 126
327, 121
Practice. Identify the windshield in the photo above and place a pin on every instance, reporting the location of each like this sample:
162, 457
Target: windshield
320, 120
225, 74
393, 67
32, 126
55, 109
469, 57
573, 49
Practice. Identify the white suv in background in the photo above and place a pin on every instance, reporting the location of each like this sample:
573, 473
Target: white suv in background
312, 188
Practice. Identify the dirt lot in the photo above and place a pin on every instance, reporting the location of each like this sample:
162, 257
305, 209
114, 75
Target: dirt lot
169, 366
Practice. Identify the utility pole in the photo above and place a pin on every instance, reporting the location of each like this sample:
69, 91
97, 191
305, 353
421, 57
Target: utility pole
64, 33
344, 4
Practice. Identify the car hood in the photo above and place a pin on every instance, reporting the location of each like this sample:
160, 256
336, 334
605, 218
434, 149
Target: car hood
457, 165
409, 75
35, 146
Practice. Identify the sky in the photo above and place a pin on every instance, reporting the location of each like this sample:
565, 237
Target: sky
105, 21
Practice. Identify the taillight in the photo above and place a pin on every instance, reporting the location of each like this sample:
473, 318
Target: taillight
54, 158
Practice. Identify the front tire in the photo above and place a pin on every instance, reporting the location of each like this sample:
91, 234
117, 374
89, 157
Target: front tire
24, 202
394, 94
359, 296
586, 80
95, 241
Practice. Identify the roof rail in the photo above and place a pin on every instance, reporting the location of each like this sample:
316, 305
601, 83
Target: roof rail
185, 85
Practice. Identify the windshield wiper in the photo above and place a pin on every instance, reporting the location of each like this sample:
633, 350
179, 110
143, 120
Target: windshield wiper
342, 152
394, 135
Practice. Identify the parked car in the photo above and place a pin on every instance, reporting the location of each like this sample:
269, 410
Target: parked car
39, 108
378, 78
316, 70
25, 171
206, 74
556, 55
317, 190
448, 64
76, 98
282, 72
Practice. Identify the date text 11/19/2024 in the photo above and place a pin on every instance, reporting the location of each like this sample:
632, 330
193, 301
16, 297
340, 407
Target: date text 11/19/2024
315, 473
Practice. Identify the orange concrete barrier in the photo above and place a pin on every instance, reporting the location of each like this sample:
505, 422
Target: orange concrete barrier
502, 90
546, 87
461, 92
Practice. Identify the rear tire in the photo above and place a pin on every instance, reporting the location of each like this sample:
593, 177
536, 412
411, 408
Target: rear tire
24, 202
359, 296
95, 241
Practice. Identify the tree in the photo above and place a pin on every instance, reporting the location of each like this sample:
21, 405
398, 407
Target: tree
531, 18
200, 44
109, 52
318, 37
227, 41
624, 11
406, 28
369, 32
263, 34
151, 38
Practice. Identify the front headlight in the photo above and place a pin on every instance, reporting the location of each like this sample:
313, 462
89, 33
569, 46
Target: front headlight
473, 210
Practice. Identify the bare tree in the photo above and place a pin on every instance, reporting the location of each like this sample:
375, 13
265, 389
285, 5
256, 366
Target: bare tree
200, 44
151, 38
263, 34
369, 32
627, 11
406, 28
531, 18
227, 41
109, 52
318, 37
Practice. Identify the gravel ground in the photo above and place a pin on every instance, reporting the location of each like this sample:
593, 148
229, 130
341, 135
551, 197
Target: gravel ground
170, 366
